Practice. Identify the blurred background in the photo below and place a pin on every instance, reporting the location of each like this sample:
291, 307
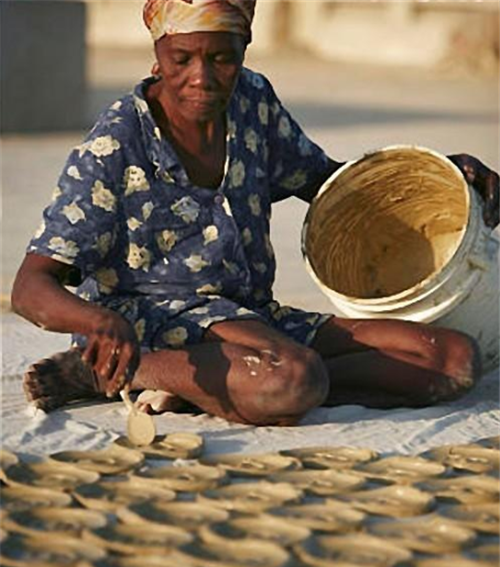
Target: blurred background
356, 75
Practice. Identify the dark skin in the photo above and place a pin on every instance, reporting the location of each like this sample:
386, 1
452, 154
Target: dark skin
378, 363
190, 99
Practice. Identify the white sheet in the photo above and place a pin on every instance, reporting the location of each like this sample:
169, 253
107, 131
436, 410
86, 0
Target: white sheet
93, 426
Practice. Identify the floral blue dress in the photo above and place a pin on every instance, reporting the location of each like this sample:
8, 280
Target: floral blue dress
171, 257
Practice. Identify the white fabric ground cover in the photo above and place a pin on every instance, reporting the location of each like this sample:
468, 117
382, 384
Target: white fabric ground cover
93, 426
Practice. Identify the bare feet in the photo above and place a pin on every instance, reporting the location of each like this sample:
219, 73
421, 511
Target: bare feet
62, 378
158, 401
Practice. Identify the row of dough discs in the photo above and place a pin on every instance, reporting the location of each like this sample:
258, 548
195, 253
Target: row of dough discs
167, 505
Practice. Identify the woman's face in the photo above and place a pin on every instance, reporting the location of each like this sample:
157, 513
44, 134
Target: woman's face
199, 72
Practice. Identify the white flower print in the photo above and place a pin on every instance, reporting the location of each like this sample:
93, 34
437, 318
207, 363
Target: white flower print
74, 173
295, 181
40, 230
284, 127
147, 209
227, 208
257, 81
56, 193
251, 140
157, 133
134, 180
231, 128
275, 109
247, 236
166, 240
167, 177
195, 263
209, 289
210, 234
103, 146
200, 311
73, 213
64, 248
139, 257
107, 279
243, 311
313, 319
211, 320
102, 197
263, 110
175, 337
244, 104
103, 244
237, 174
141, 105
133, 223
186, 208
177, 304
140, 328
254, 204
116, 105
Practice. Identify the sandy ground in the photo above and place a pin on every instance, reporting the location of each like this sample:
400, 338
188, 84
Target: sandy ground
347, 110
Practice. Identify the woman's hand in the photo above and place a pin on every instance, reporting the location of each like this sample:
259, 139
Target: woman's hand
113, 352
485, 182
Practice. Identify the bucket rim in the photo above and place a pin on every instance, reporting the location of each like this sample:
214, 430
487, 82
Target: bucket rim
425, 286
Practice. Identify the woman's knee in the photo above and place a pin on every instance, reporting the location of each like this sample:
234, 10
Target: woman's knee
456, 356
463, 363
295, 381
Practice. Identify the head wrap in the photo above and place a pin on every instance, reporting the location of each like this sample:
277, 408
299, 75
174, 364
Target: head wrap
168, 17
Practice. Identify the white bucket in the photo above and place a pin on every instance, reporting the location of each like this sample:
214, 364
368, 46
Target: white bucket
399, 234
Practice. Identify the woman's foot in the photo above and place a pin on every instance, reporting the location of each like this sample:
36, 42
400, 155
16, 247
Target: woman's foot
158, 401
62, 378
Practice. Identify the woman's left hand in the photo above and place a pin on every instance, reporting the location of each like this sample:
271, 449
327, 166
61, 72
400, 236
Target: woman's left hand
485, 182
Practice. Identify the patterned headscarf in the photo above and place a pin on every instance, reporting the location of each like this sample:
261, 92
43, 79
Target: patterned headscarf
187, 16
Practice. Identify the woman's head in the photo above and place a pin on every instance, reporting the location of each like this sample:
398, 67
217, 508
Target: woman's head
172, 17
200, 47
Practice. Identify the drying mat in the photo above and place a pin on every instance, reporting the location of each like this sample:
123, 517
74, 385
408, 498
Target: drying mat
317, 507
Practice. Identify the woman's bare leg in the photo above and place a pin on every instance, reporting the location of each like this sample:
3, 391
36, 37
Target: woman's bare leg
244, 371
386, 363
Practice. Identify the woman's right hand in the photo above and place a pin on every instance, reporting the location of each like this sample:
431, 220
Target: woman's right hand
112, 351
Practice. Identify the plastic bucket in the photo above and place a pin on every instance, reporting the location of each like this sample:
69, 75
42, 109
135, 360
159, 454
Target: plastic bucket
399, 234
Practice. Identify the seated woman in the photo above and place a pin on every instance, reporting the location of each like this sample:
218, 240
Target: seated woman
162, 217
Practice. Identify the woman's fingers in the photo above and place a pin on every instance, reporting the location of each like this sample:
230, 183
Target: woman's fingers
113, 352
124, 370
89, 355
485, 182
489, 186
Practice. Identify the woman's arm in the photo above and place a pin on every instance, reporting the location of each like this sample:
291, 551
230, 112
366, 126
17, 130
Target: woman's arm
39, 295
311, 191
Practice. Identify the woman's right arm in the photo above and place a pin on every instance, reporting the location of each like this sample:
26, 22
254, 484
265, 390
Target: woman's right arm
39, 295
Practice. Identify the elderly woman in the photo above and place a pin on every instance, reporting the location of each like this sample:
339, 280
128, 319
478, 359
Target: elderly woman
161, 218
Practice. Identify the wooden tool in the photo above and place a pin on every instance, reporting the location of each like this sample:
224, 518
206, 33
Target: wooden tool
140, 426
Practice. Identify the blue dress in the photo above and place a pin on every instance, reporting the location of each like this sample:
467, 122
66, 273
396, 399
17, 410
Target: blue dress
171, 257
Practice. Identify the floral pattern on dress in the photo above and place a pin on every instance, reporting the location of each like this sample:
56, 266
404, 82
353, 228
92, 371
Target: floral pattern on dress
171, 257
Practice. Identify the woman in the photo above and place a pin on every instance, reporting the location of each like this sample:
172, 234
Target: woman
161, 217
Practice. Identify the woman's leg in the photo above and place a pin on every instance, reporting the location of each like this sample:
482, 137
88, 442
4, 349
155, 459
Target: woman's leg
386, 363
244, 371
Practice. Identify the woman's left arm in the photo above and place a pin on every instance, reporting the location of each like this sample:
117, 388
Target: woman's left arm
485, 182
